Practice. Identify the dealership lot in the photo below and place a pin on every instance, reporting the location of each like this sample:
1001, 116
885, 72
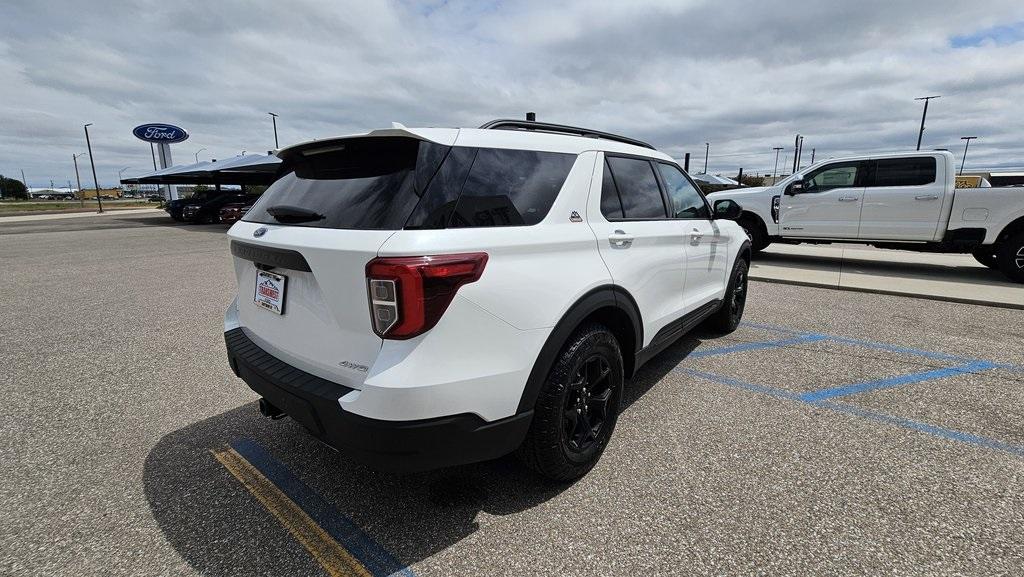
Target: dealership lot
834, 433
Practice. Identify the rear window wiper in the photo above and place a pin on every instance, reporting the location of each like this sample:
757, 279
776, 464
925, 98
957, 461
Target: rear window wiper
293, 214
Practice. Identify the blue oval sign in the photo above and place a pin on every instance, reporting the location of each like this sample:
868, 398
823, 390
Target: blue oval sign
167, 133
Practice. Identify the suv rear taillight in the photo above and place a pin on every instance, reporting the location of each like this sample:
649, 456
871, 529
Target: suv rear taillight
409, 294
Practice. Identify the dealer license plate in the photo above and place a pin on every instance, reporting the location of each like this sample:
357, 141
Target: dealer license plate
270, 291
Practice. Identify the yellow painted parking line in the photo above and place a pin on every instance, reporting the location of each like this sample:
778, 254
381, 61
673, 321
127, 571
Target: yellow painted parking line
334, 558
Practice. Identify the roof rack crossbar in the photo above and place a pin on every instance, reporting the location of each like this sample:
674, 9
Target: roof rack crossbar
510, 124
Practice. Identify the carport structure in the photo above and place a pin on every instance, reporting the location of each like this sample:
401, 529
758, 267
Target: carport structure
249, 169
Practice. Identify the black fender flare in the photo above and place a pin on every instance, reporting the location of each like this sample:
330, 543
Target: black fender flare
594, 300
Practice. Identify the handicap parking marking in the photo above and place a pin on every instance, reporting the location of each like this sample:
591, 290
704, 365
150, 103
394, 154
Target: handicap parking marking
333, 539
822, 398
918, 426
898, 381
934, 430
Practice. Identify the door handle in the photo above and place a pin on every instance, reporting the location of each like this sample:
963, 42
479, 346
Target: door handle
695, 236
848, 199
619, 238
927, 197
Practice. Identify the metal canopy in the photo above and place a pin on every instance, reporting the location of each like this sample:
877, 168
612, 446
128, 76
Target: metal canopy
257, 169
714, 179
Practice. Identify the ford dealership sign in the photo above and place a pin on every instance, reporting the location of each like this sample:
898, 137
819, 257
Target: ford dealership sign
166, 133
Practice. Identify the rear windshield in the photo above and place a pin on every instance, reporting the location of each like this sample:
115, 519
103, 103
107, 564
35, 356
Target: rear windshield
364, 183
394, 183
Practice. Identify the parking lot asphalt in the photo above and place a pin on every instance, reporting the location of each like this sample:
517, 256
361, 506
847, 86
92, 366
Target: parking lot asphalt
835, 433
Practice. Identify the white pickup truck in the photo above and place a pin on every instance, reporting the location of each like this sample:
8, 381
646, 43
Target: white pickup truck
905, 201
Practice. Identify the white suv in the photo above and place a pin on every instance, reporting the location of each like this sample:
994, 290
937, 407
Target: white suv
420, 298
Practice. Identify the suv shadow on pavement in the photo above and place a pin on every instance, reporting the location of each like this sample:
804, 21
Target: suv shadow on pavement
213, 522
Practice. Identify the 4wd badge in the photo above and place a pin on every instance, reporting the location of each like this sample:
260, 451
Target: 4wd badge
575, 217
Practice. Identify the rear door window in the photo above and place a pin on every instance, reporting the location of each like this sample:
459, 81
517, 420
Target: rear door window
638, 188
611, 204
904, 171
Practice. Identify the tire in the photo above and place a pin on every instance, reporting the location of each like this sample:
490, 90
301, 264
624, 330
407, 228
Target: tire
1011, 257
729, 316
756, 232
987, 255
584, 386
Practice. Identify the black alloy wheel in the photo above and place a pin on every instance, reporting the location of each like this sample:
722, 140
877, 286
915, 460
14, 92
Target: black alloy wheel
739, 294
577, 407
730, 314
586, 405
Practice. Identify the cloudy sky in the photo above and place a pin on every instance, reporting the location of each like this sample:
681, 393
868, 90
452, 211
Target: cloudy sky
744, 76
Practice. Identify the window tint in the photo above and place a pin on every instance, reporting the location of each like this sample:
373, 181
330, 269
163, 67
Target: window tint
362, 183
438, 203
839, 175
686, 200
904, 171
638, 188
611, 205
511, 187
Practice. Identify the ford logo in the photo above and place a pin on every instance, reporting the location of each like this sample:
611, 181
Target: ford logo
166, 133
259, 231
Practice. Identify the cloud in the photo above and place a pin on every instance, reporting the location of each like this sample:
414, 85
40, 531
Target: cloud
745, 76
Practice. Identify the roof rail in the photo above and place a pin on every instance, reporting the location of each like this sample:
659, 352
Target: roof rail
510, 124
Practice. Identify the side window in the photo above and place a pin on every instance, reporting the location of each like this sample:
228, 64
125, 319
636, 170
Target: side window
839, 175
611, 205
511, 187
686, 200
638, 187
904, 171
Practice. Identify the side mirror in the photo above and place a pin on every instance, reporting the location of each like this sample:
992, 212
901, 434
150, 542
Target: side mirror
727, 209
796, 187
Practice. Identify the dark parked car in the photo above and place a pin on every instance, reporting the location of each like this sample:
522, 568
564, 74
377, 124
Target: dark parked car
209, 210
234, 211
175, 208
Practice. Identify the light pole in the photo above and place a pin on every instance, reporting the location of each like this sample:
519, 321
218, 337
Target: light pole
923, 115
274, 118
707, 149
92, 161
775, 170
81, 197
967, 143
197, 154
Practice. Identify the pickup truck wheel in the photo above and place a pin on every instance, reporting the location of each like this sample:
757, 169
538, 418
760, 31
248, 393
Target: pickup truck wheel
1011, 257
756, 232
729, 316
577, 407
987, 256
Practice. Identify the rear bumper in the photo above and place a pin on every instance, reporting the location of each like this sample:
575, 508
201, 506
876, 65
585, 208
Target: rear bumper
387, 445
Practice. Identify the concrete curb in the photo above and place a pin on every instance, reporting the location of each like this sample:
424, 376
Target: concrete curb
943, 298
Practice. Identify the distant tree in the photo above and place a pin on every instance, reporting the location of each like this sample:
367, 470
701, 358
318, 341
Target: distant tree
11, 188
200, 188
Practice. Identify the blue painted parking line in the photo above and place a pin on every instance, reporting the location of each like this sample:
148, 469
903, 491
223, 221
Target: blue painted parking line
743, 347
926, 428
897, 381
934, 430
376, 561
